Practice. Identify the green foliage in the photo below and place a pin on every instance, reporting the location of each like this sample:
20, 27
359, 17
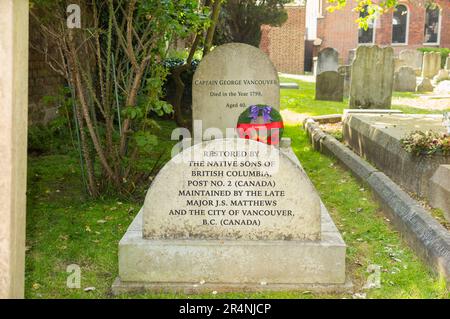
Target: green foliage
426, 143
371, 8
113, 67
445, 52
241, 20
54, 135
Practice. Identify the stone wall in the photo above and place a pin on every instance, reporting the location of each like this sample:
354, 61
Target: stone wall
285, 45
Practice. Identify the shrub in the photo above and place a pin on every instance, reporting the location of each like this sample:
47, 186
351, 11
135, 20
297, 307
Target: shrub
426, 143
443, 51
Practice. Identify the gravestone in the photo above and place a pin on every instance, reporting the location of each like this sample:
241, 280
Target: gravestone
330, 86
412, 58
431, 64
405, 80
424, 85
227, 189
231, 214
447, 63
398, 63
441, 76
327, 60
346, 72
13, 145
351, 56
228, 80
372, 78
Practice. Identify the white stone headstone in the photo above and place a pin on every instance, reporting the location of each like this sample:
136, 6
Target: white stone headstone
327, 60
372, 78
232, 189
228, 80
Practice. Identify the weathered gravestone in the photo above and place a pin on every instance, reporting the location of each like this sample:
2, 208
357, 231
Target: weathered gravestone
228, 80
330, 86
232, 213
431, 64
346, 72
447, 63
327, 60
405, 80
424, 85
329, 83
372, 78
412, 58
398, 63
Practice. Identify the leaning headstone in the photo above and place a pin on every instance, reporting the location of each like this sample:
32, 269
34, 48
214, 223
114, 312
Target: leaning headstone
330, 86
372, 78
412, 58
405, 80
327, 60
346, 72
447, 63
425, 85
431, 64
228, 80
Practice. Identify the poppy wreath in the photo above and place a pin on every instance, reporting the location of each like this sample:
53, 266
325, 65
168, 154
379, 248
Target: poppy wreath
269, 132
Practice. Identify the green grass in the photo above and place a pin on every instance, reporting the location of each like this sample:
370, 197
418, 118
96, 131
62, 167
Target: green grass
65, 227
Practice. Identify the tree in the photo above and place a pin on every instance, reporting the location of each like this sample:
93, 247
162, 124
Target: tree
371, 7
241, 20
113, 67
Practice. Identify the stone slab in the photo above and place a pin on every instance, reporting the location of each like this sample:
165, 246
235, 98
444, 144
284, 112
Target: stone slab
230, 264
212, 195
377, 139
370, 111
429, 239
330, 86
440, 190
372, 78
289, 86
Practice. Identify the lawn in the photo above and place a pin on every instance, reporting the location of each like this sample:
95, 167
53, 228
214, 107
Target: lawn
64, 227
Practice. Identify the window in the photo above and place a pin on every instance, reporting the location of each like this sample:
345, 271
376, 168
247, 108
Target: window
400, 25
366, 36
432, 24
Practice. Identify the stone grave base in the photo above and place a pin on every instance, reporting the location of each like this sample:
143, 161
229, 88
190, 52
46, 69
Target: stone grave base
203, 266
231, 265
376, 137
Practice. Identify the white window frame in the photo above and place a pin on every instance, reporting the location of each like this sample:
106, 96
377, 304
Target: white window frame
439, 28
407, 26
374, 34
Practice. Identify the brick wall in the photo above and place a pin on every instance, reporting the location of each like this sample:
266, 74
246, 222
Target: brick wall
285, 45
339, 30
42, 81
